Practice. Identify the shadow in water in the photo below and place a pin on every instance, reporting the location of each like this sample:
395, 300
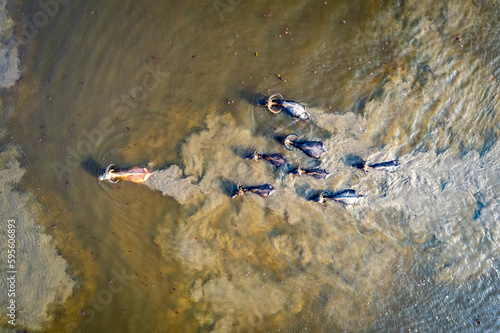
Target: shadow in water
92, 167
244, 153
287, 169
306, 192
280, 138
253, 97
227, 186
352, 160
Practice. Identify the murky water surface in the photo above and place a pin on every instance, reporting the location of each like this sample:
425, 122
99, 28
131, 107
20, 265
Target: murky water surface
174, 85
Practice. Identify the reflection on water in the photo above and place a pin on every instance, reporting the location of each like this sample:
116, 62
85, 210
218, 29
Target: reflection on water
174, 86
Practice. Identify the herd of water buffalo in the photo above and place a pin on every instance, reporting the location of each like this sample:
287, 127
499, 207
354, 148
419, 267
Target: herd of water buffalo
315, 149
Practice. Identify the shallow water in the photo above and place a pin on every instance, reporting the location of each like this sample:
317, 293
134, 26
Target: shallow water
174, 86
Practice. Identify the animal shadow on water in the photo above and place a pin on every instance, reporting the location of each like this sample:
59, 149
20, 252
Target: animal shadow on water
253, 97
280, 138
244, 153
352, 160
227, 186
305, 192
312, 196
92, 167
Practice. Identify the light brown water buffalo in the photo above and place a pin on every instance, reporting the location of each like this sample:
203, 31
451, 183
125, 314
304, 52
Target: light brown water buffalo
134, 175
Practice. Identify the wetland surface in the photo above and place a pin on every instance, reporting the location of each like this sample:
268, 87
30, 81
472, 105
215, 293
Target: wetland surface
173, 85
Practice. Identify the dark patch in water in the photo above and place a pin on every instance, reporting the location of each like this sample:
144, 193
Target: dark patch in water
449, 264
353, 160
304, 191
253, 97
243, 152
280, 138
422, 76
422, 148
491, 139
431, 243
413, 23
486, 241
284, 170
379, 89
440, 150
479, 205
276, 232
443, 183
360, 106
301, 251
92, 167
227, 186
323, 299
398, 14
477, 210
377, 92
443, 15
463, 150
384, 186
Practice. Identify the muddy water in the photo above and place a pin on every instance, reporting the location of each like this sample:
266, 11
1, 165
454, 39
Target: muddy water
174, 86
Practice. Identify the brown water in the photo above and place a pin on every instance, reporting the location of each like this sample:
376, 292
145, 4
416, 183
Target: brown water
175, 83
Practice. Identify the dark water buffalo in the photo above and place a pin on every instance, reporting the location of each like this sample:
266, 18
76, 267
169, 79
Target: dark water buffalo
389, 166
347, 197
264, 191
315, 173
311, 148
275, 159
276, 103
